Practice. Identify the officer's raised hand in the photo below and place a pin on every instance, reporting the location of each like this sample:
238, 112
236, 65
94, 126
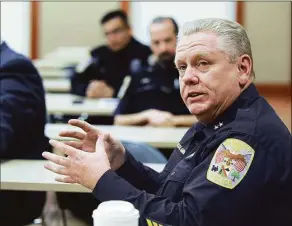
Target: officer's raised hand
85, 168
86, 141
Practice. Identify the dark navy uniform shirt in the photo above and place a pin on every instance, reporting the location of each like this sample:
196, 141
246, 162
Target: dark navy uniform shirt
153, 88
22, 107
235, 171
22, 124
112, 67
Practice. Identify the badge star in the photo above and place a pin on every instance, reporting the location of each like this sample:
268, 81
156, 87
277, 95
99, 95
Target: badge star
216, 127
220, 124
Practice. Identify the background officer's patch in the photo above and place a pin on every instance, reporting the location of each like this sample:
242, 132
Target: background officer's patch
230, 163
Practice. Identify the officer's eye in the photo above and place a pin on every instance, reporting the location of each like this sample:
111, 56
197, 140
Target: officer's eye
168, 40
181, 69
203, 65
156, 43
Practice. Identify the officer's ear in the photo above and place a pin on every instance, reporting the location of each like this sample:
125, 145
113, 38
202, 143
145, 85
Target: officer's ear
244, 65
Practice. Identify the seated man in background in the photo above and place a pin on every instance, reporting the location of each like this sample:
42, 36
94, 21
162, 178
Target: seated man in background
109, 64
23, 118
153, 96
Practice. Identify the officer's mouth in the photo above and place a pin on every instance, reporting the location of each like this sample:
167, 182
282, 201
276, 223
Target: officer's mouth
195, 96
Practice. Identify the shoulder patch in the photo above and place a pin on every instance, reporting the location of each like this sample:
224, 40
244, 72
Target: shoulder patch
154, 223
230, 163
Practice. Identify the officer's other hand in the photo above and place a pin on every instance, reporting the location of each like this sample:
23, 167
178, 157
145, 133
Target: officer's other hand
99, 89
159, 118
86, 141
85, 168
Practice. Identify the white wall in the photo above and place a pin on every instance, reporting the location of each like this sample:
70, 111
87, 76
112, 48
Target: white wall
142, 13
15, 25
268, 25
72, 24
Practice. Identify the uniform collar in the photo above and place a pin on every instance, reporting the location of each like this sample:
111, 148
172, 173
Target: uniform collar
3, 44
171, 72
130, 46
242, 102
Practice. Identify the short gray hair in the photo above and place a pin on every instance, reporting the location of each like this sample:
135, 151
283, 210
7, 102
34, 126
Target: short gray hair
235, 40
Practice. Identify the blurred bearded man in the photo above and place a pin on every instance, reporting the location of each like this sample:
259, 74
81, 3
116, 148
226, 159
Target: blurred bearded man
153, 96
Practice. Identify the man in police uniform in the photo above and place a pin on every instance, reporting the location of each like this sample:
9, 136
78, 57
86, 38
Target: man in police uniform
22, 124
103, 74
153, 97
232, 168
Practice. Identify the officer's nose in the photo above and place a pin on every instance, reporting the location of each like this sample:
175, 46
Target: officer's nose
190, 77
163, 47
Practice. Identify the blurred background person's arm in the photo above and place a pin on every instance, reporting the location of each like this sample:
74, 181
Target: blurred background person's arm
99, 89
23, 118
22, 105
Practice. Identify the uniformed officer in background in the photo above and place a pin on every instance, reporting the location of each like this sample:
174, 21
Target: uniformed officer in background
22, 124
153, 97
103, 75
232, 168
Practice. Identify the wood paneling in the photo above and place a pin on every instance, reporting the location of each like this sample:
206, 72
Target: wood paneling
240, 12
35, 17
125, 5
274, 90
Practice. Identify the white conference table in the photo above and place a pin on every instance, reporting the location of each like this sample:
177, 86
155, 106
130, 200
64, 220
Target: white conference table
69, 53
51, 64
57, 85
64, 104
53, 73
62, 57
156, 137
30, 175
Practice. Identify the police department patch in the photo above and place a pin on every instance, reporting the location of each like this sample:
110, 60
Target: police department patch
230, 163
180, 148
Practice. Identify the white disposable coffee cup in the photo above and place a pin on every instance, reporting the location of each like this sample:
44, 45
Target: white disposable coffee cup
116, 213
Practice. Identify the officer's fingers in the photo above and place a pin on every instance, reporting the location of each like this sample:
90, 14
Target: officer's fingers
73, 134
88, 93
100, 144
67, 179
101, 83
90, 87
74, 144
68, 150
57, 169
110, 91
81, 124
91, 93
60, 160
93, 83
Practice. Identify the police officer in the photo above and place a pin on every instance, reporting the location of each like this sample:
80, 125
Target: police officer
153, 97
22, 123
103, 75
232, 168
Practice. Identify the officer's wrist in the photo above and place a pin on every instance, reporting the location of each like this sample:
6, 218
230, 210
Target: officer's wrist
175, 120
140, 117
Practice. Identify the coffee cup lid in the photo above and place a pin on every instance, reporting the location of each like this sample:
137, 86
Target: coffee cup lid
121, 210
